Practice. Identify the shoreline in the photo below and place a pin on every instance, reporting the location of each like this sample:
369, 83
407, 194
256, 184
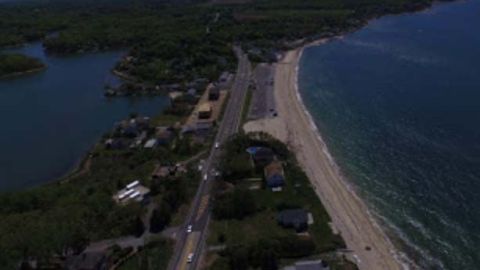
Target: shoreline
370, 247
398, 256
22, 73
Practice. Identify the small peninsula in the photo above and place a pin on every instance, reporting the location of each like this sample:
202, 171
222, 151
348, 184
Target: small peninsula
17, 64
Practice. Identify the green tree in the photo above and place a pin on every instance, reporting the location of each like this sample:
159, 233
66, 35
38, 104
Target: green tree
293, 246
238, 257
237, 204
138, 227
160, 218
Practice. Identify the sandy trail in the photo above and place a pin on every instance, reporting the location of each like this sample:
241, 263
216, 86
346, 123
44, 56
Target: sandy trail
349, 214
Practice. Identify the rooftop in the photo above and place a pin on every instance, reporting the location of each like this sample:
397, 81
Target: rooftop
205, 107
133, 191
293, 218
308, 265
274, 168
150, 143
175, 94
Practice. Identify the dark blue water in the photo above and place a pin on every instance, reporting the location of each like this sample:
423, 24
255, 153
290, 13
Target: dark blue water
398, 103
49, 120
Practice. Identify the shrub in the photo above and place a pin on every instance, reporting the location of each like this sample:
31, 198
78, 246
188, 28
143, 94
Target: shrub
234, 205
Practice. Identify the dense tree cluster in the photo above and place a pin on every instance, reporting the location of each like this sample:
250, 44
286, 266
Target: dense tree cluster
154, 255
181, 43
66, 216
265, 253
234, 205
17, 63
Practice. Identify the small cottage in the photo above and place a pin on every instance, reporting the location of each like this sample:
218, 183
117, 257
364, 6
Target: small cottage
274, 176
293, 218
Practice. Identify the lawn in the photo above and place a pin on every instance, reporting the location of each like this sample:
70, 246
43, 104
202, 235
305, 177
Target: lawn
261, 226
154, 256
247, 231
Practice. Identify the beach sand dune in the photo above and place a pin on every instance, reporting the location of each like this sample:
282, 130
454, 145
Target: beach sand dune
370, 247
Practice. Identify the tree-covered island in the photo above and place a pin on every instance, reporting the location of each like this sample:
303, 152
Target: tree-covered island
16, 64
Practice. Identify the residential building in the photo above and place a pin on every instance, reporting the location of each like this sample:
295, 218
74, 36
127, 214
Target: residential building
204, 110
150, 144
261, 156
309, 265
165, 135
134, 191
163, 171
213, 92
116, 143
175, 95
192, 92
274, 176
293, 218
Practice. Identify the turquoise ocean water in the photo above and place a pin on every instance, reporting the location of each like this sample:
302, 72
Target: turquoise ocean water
398, 103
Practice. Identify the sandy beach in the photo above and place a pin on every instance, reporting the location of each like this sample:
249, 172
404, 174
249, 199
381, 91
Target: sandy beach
349, 214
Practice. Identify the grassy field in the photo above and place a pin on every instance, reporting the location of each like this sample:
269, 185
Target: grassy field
298, 192
246, 105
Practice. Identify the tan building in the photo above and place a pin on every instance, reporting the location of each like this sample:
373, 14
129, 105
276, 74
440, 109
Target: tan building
204, 110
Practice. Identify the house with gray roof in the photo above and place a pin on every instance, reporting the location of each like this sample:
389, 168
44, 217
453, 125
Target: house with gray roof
293, 218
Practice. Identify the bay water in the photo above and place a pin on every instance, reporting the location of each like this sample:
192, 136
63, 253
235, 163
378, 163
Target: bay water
49, 120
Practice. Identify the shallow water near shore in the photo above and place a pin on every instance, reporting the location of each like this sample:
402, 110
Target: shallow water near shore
51, 119
398, 104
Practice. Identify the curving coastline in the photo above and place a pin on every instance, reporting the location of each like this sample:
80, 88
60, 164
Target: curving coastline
370, 247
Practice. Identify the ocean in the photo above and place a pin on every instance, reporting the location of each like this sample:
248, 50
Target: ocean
398, 104
51, 119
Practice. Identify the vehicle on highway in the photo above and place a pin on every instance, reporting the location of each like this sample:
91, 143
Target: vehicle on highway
205, 177
190, 258
215, 172
217, 145
189, 229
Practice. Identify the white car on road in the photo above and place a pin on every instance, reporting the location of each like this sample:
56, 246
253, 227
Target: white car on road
205, 177
217, 145
190, 258
189, 229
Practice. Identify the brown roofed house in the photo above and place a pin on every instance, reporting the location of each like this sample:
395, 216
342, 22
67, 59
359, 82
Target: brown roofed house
204, 110
163, 171
274, 175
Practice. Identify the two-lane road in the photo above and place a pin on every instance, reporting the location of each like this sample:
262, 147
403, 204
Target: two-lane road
199, 215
